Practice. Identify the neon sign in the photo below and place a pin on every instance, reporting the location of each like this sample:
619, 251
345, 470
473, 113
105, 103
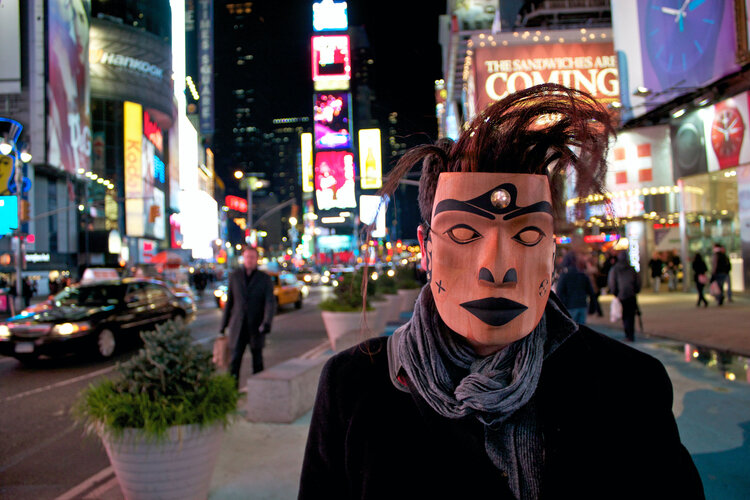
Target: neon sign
152, 131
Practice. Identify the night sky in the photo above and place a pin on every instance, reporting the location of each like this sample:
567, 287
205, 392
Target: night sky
404, 42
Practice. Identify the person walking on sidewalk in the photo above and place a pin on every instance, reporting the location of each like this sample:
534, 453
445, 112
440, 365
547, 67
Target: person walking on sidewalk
491, 390
248, 312
574, 289
625, 283
656, 265
699, 274
720, 267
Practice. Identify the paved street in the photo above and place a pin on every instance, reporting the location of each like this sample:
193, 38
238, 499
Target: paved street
40, 441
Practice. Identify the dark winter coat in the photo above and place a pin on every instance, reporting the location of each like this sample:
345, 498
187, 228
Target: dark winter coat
623, 281
605, 411
574, 288
250, 307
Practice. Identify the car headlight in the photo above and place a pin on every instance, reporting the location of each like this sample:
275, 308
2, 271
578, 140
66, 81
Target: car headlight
70, 328
4, 331
218, 293
307, 278
325, 279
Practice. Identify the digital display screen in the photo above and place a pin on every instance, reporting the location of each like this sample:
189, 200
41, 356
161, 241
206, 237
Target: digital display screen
331, 61
334, 180
332, 121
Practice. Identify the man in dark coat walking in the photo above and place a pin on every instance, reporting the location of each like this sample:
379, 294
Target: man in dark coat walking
625, 283
248, 312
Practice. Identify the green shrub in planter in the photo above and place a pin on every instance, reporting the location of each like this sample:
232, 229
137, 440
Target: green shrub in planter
348, 294
169, 382
387, 285
405, 278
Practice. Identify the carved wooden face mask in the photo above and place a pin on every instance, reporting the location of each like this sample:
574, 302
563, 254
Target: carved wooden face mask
489, 255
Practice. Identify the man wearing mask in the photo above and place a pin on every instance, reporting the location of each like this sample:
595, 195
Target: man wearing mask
248, 312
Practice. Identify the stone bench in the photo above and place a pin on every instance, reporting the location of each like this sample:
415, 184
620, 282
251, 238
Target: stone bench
284, 392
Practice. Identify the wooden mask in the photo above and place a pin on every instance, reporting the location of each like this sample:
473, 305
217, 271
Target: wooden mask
489, 255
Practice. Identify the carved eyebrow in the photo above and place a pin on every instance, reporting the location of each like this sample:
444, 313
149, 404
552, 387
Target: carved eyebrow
540, 206
461, 206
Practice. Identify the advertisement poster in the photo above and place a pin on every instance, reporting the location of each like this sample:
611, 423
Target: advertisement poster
332, 117
726, 132
306, 154
330, 15
502, 70
370, 158
331, 62
640, 158
68, 86
134, 192
10, 41
334, 180
688, 145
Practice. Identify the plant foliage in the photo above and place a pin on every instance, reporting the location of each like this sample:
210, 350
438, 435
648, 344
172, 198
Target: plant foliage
169, 382
405, 278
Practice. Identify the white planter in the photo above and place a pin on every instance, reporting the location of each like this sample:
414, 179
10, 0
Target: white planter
408, 297
394, 308
339, 324
178, 468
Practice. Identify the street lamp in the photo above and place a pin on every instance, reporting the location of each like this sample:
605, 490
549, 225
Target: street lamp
9, 147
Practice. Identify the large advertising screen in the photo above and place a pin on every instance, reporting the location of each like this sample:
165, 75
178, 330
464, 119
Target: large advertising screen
68, 85
640, 158
589, 66
332, 117
10, 41
133, 146
330, 15
331, 62
334, 180
370, 159
306, 153
372, 210
128, 64
726, 128
671, 49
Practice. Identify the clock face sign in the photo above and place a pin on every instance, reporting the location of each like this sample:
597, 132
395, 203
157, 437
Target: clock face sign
727, 133
681, 38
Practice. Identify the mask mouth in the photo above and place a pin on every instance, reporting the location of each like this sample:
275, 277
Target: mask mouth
495, 311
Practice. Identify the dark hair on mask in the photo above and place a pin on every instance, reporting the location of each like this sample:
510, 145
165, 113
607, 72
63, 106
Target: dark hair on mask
544, 129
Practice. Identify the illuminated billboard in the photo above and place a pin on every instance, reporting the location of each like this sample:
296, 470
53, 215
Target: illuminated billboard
334, 180
68, 85
134, 194
370, 158
330, 16
372, 209
331, 115
10, 41
640, 158
589, 66
331, 62
306, 152
672, 51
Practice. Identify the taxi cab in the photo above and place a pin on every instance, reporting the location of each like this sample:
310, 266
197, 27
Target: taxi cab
286, 288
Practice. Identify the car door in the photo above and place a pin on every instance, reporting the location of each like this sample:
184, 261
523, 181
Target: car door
159, 304
136, 312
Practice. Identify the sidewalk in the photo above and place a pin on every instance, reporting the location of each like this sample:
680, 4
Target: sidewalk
263, 461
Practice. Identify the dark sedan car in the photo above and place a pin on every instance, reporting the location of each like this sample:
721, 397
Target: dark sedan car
93, 317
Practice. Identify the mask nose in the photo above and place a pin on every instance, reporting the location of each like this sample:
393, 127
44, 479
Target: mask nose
511, 276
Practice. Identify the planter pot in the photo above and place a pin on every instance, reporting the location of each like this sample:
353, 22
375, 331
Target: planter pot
408, 298
178, 468
339, 324
376, 319
394, 308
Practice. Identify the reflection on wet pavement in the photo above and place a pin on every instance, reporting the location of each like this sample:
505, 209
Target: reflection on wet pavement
731, 366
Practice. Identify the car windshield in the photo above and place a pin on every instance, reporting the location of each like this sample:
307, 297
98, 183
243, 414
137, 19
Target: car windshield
94, 295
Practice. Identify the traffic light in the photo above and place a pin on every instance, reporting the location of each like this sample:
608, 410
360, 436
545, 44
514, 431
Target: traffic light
24, 211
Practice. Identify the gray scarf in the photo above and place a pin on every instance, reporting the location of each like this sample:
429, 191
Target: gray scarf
498, 389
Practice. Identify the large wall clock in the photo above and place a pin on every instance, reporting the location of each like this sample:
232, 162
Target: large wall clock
681, 39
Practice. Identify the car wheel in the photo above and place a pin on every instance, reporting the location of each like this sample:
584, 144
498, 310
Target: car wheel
106, 344
298, 304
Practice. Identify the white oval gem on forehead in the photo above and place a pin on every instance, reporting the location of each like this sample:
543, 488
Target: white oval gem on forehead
500, 198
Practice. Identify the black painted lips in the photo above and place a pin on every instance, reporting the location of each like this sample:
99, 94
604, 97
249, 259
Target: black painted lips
494, 311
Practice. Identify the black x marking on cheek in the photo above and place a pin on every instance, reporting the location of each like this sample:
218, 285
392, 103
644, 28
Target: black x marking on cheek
440, 286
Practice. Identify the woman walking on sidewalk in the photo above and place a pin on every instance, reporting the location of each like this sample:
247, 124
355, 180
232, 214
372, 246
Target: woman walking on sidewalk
699, 274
